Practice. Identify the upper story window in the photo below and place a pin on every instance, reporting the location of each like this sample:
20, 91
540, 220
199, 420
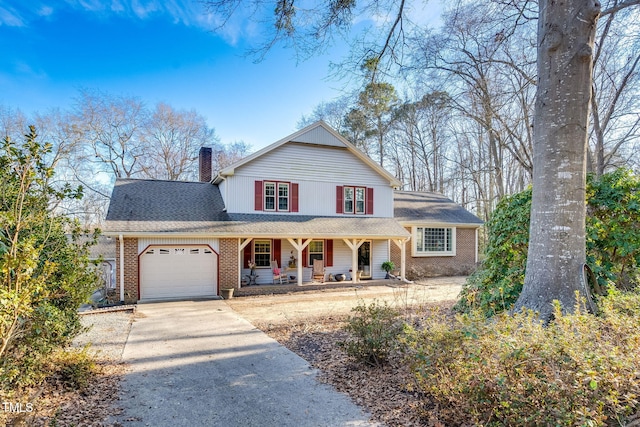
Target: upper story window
360, 191
283, 196
274, 196
430, 241
354, 200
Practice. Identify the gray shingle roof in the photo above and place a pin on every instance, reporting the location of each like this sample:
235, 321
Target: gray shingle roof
175, 207
148, 206
165, 201
426, 207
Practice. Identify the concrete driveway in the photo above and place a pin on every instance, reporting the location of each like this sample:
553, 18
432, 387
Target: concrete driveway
198, 363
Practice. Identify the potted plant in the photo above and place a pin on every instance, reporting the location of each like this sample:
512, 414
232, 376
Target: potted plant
388, 266
226, 293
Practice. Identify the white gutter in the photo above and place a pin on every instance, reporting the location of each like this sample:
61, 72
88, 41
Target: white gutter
121, 268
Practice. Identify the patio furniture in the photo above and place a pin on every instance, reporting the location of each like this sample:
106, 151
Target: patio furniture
251, 278
318, 270
278, 275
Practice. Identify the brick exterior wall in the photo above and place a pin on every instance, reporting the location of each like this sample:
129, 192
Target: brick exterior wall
130, 270
229, 263
462, 264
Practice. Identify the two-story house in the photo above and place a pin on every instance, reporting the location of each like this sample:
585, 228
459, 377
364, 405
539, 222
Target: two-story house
310, 196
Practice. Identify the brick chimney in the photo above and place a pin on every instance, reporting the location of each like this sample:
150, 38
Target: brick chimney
205, 163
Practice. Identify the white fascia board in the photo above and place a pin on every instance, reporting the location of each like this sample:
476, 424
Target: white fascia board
438, 224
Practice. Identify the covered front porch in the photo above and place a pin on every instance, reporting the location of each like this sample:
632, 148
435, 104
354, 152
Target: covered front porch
271, 289
274, 261
344, 245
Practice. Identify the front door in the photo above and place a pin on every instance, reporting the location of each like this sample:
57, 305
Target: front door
364, 260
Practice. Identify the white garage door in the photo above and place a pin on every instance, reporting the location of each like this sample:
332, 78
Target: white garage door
178, 272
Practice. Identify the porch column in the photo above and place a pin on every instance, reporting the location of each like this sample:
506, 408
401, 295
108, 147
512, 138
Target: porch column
299, 245
402, 244
241, 245
354, 244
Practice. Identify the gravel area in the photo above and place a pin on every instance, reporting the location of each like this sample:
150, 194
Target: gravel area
107, 334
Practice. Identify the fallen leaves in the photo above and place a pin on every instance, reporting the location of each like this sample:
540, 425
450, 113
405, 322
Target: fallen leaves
89, 407
385, 392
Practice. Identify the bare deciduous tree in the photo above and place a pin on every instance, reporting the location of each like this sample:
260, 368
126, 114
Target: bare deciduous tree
172, 139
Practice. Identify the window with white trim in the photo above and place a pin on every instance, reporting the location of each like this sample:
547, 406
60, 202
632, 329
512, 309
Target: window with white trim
360, 192
348, 200
434, 241
316, 250
354, 200
269, 196
283, 196
262, 253
276, 196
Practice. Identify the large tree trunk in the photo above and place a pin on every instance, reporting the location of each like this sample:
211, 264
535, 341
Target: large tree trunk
566, 32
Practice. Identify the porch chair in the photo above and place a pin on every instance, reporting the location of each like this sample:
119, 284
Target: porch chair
318, 270
278, 275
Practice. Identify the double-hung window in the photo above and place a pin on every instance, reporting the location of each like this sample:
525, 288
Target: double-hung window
269, 196
348, 200
360, 192
316, 250
283, 196
354, 200
276, 196
434, 241
262, 253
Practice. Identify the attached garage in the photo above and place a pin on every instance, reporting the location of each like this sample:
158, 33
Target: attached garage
178, 271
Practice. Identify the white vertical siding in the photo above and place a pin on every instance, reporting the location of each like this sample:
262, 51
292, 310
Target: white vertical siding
342, 258
315, 198
341, 261
317, 171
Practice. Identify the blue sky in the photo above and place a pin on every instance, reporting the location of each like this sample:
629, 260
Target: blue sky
158, 50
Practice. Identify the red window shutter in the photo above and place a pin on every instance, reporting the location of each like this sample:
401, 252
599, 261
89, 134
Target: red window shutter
258, 194
328, 253
277, 251
339, 199
369, 208
294, 197
247, 255
305, 257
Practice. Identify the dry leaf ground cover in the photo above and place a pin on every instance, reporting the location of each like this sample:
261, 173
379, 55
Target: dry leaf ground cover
308, 323
312, 325
54, 403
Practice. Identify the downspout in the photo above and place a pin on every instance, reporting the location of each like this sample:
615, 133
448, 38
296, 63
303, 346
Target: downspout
477, 245
121, 268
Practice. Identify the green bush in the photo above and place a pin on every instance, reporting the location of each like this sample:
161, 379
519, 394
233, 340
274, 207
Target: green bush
613, 243
72, 368
579, 369
496, 285
44, 275
613, 228
374, 331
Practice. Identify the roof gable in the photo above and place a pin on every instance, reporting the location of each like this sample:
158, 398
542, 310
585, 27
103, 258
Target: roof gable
318, 133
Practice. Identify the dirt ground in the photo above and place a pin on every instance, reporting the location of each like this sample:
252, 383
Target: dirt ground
302, 306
